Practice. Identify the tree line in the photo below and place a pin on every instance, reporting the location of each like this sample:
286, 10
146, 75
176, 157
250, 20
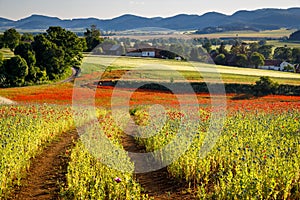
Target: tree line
253, 54
40, 58
239, 53
43, 57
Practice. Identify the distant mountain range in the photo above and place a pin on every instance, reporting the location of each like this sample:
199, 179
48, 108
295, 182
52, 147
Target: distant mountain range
261, 19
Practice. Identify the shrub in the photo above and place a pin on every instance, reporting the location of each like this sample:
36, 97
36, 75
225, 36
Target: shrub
265, 86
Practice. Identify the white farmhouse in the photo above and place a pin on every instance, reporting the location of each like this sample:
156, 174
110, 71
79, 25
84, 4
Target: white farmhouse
148, 53
277, 65
285, 65
145, 52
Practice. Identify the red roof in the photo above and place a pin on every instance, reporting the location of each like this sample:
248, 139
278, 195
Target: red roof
272, 62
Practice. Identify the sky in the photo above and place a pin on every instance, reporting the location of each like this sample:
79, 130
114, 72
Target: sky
107, 9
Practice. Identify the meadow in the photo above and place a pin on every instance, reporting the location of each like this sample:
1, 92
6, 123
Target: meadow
232, 34
141, 68
277, 43
255, 155
261, 34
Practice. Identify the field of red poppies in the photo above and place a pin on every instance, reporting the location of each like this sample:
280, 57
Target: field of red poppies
61, 94
256, 155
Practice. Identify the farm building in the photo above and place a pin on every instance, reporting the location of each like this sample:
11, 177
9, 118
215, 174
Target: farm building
285, 66
271, 65
153, 53
277, 65
145, 52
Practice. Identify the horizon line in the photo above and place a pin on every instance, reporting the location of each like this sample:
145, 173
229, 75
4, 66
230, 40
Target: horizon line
132, 14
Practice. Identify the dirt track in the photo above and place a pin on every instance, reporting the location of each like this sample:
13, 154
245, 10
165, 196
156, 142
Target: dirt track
157, 184
5, 101
47, 171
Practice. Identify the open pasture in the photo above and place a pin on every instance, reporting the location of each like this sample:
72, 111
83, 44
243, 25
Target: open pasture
232, 34
163, 70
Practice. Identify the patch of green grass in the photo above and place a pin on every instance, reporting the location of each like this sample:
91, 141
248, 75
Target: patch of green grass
277, 43
7, 53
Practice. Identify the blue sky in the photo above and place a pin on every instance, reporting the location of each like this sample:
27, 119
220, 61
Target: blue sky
67, 9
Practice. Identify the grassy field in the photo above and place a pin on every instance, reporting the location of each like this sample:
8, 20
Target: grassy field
277, 43
164, 70
262, 34
7, 53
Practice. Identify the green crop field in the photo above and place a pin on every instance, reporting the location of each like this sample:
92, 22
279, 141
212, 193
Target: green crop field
262, 34
147, 68
277, 43
188, 35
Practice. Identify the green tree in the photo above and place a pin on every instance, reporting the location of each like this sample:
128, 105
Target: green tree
2, 72
253, 47
239, 48
92, 37
1, 42
220, 59
27, 37
241, 60
283, 53
15, 70
1, 59
262, 42
25, 51
222, 49
11, 38
49, 57
207, 45
69, 42
257, 59
266, 51
84, 44
113, 42
177, 49
265, 86
296, 55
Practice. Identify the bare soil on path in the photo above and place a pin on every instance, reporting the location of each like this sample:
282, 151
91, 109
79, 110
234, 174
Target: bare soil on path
157, 184
5, 101
47, 171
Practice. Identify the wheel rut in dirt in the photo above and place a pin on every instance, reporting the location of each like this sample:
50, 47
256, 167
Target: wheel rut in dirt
48, 170
157, 184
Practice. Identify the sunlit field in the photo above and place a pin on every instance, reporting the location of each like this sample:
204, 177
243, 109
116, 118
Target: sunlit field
234, 34
191, 71
255, 155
